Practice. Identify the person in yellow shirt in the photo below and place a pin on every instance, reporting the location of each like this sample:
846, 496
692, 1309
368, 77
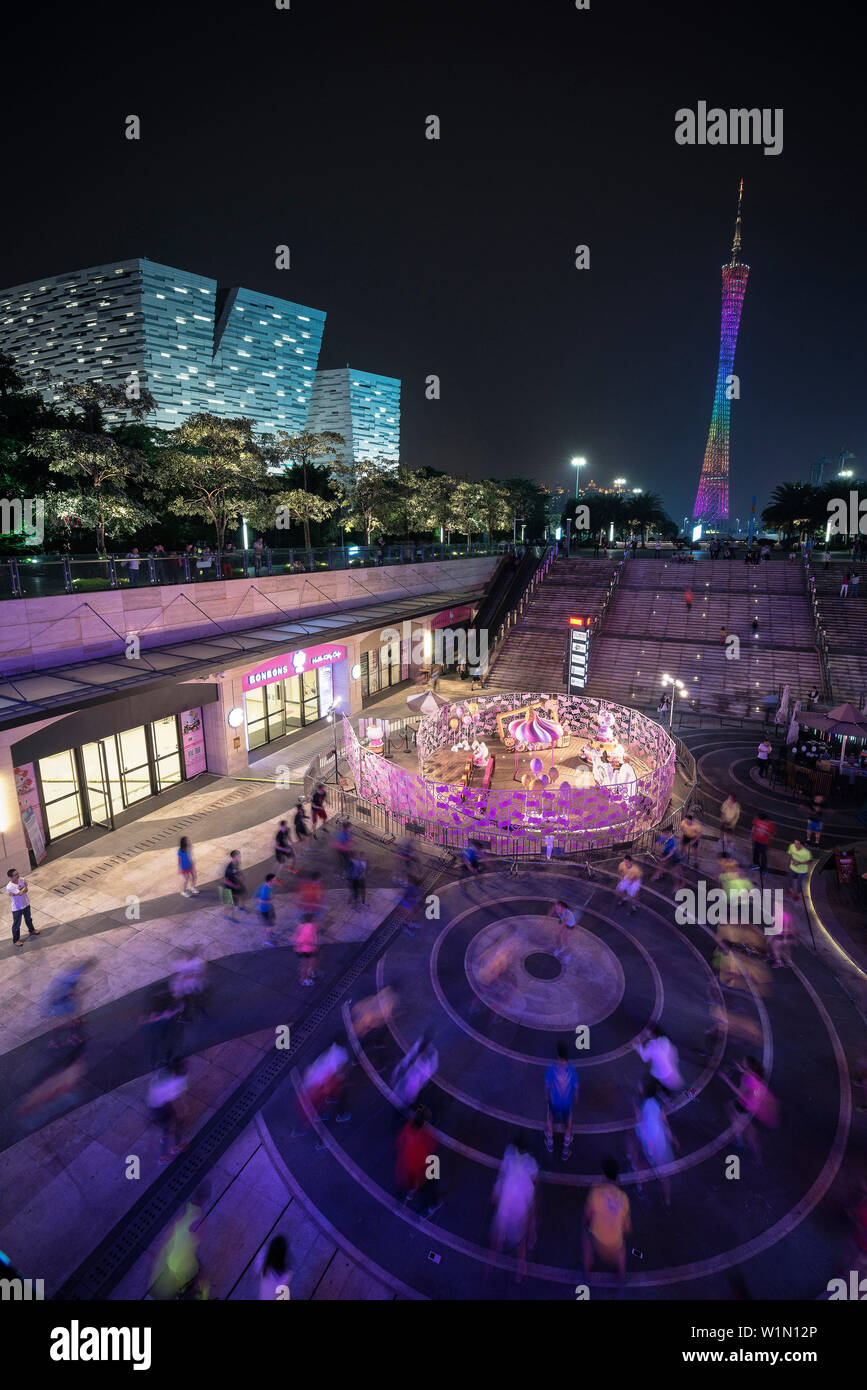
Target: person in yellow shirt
629, 883
800, 860
607, 1221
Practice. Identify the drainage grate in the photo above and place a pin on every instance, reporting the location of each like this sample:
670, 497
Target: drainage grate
162, 837
103, 1269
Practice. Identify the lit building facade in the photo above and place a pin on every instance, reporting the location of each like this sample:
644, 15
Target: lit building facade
361, 406
195, 345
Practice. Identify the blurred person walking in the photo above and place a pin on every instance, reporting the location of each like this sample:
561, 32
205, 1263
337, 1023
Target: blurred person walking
265, 904
415, 1146
561, 1089
284, 852
165, 1090
233, 888
319, 811
753, 1098
653, 1134
187, 868
274, 1271
514, 1199
306, 947
607, 1221
660, 1054
358, 881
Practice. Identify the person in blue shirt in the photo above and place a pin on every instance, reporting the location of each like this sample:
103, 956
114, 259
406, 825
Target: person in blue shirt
265, 904
561, 1088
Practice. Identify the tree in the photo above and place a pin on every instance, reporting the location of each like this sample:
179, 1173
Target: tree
645, 509
793, 507
527, 500
215, 469
407, 507
364, 489
102, 467
435, 500
494, 506
467, 507
304, 453
294, 503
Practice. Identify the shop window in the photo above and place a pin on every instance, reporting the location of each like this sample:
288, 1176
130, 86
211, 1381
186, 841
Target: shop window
135, 765
61, 794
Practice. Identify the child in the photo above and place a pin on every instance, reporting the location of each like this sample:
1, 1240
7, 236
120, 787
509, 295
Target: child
187, 869
265, 904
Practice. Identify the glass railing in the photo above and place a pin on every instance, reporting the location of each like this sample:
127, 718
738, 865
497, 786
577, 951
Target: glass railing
37, 576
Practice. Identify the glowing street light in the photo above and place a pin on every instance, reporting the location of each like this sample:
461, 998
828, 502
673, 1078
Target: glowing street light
578, 464
678, 687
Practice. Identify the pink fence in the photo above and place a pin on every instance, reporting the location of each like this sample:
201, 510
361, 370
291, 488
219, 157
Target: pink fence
597, 814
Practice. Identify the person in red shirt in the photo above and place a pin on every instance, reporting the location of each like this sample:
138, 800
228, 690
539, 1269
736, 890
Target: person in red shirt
687, 598
415, 1146
763, 832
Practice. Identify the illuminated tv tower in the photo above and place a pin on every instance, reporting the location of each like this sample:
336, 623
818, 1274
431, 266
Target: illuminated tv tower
712, 499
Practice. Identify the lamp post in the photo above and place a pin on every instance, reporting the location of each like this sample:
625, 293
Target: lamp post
332, 719
677, 687
578, 464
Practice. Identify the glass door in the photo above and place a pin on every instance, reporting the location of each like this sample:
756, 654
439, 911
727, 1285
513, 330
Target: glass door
96, 786
310, 697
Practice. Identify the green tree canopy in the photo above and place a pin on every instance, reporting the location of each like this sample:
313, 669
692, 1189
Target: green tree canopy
216, 469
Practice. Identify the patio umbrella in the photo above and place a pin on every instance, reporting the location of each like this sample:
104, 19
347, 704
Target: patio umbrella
844, 720
782, 713
792, 735
425, 702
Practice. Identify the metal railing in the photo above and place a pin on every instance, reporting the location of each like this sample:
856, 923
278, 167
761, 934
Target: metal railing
39, 576
515, 614
819, 633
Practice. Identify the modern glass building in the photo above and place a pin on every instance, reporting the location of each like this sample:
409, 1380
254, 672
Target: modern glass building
195, 345
363, 407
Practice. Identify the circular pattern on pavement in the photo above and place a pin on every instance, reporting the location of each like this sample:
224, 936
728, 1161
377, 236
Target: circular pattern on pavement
485, 987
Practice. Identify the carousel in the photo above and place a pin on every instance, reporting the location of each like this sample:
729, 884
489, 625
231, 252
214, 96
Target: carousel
503, 765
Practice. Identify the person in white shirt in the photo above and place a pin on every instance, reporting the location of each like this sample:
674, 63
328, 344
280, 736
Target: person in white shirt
17, 890
167, 1086
763, 754
661, 1054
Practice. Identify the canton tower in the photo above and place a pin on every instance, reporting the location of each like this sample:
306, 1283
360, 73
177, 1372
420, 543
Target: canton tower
712, 499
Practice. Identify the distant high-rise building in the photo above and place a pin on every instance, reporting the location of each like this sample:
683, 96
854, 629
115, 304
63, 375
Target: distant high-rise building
363, 407
712, 500
817, 472
195, 345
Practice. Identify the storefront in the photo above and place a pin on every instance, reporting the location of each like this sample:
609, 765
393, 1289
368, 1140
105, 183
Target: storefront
94, 784
290, 692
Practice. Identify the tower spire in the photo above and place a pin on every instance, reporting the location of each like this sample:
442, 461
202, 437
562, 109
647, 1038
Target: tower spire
736, 244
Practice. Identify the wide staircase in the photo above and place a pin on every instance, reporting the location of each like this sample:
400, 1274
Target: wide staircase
844, 621
649, 632
533, 653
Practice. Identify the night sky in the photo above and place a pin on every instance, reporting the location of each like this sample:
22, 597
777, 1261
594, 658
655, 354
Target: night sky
307, 127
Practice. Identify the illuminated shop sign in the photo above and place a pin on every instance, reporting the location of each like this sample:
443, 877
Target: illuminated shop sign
280, 668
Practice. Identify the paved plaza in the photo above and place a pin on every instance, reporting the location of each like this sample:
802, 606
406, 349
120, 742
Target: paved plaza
70, 1214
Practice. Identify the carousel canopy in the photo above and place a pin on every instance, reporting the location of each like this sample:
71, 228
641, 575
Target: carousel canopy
535, 731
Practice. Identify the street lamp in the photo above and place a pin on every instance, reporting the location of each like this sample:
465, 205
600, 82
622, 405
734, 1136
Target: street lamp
578, 464
678, 687
332, 719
